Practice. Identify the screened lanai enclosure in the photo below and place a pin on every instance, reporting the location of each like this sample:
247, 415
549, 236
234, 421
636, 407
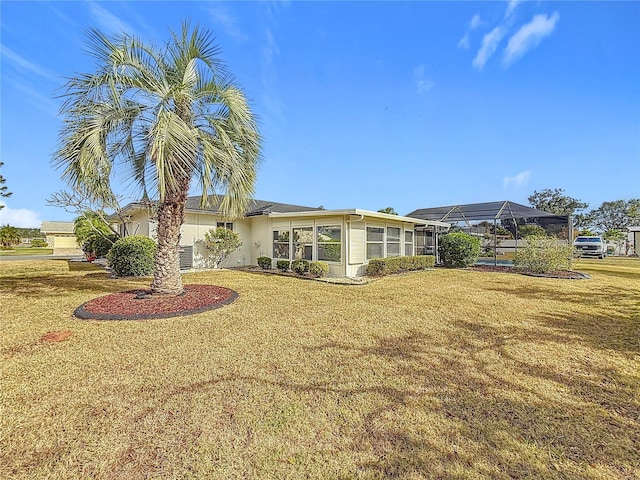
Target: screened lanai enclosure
500, 225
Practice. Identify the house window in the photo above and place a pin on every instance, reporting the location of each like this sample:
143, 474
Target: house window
408, 242
281, 244
329, 243
375, 242
393, 242
303, 243
227, 225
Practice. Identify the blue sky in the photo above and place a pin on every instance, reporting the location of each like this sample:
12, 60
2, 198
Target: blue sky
368, 104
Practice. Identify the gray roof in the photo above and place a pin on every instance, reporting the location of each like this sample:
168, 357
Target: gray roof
255, 207
56, 227
480, 211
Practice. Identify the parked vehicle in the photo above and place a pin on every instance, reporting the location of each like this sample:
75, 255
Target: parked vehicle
590, 246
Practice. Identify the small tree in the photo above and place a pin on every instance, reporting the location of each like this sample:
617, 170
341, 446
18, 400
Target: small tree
9, 236
94, 234
219, 243
543, 254
458, 249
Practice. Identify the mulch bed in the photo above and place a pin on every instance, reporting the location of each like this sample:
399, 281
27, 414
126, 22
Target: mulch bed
142, 304
566, 274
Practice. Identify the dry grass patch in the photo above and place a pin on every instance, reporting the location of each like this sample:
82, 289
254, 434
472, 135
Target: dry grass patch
439, 374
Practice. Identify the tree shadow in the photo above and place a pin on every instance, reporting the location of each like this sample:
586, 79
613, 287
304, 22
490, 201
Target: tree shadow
483, 422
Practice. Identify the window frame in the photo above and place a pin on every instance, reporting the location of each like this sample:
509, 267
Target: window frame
409, 243
393, 241
275, 242
320, 243
374, 242
222, 224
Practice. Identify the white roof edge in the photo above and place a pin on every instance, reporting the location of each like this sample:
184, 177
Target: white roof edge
357, 211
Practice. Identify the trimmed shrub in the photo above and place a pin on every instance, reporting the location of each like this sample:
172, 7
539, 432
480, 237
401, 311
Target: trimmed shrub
543, 255
386, 266
132, 256
300, 266
458, 250
376, 267
99, 246
283, 265
264, 263
319, 268
38, 242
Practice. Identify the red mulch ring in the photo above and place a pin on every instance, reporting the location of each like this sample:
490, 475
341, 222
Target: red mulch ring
571, 275
55, 336
142, 304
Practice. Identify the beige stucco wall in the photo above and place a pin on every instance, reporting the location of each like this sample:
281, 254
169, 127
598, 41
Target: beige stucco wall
256, 234
64, 245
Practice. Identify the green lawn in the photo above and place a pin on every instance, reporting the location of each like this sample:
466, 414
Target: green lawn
26, 251
439, 374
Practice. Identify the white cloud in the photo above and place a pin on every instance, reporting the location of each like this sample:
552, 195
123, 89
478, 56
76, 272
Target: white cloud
23, 64
423, 84
518, 180
108, 21
529, 36
19, 217
489, 45
464, 42
511, 7
475, 22
226, 21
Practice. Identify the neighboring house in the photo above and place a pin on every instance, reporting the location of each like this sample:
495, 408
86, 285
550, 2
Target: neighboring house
345, 239
60, 237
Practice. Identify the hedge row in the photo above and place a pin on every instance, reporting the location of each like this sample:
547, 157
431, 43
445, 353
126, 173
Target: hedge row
299, 266
386, 266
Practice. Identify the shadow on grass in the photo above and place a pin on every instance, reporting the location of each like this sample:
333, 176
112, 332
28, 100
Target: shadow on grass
452, 409
66, 277
614, 324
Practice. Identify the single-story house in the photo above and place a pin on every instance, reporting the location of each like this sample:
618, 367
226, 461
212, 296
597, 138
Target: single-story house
60, 237
345, 239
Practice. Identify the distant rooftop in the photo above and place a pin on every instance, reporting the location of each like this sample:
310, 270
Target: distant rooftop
56, 227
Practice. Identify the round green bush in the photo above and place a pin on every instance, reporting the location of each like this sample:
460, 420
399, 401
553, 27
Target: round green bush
300, 266
132, 256
319, 268
458, 250
38, 243
283, 265
264, 263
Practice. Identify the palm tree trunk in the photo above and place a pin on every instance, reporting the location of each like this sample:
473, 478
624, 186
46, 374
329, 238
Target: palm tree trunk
166, 276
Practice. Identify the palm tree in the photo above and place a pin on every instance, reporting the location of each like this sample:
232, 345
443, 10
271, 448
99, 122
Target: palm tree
166, 117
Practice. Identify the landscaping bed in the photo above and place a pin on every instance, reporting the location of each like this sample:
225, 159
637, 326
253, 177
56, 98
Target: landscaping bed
142, 304
566, 274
